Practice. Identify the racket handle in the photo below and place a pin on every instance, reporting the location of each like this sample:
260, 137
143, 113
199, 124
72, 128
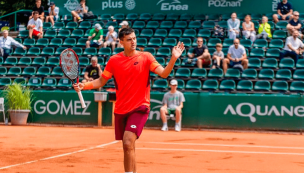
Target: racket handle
81, 100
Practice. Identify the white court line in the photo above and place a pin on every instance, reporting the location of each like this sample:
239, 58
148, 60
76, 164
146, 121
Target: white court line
226, 145
222, 151
61, 155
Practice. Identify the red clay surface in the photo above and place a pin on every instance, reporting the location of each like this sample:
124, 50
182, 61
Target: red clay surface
31, 149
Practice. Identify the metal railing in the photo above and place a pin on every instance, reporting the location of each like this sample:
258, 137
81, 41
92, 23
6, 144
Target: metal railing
15, 20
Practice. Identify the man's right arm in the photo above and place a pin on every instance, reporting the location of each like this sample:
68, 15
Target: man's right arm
229, 57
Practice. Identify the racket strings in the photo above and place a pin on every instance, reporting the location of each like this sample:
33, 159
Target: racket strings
70, 65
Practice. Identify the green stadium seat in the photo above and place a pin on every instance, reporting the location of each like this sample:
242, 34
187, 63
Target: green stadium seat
34, 82
71, 25
44, 71
225, 51
57, 71
58, 25
146, 33
14, 71
77, 50
244, 85
117, 50
160, 84
161, 61
20, 80
1, 60
227, 85
262, 86
90, 51
34, 51
260, 43
170, 42
43, 42
153, 74
271, 24
166, 24
69, 42
287, 63
3, 71
283, 74
5, 81
50, 34
300, 64
258, 52
139, 24
189, 33
298, 74
85, 25
213, 41
101, 61
270, 63
84, 61
223, 24
275, 53
159, 16
56, 42
111, 23
64, 83
87, 33
77, 33
107, 51
59, 50
256, 24
225, 17
81, 42
29, 71
180, 84
145, 16
132, 16
208, 25
19, 52
142, 42
29, 42
136, 31
105, 16
11, 61
152, 25
53, 61
25, 61
281, 25
241, 16
210, 84
227, 42
232, 73
211, 50
64, 33
297, 86
201, 17
171, 75
193, 84
67, 17
48, 51
266, 74
279, 34
205, 33
49, 83
280, 86
256, 16
119, 16
195, 24
213, 17
182, 73
164, 52
246, 43
155, 42
172, 16
110, 84
23, 34
175, 33
39, 61
249, 74
199, 73
187, 41
162, 33
180, 25
177, 62
276, 43
215, 73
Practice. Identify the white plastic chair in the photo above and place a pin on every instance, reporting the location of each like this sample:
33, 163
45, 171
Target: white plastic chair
2, 108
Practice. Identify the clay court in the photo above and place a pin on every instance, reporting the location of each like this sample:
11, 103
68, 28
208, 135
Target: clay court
71, 149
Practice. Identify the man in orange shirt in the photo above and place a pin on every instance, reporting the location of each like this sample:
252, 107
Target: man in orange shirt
131, 72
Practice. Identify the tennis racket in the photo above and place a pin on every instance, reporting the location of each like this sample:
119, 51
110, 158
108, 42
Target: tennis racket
69, 64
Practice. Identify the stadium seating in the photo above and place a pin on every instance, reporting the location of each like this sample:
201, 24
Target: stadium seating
210, 85
11, 61
160, 84
283, 74
50, 34
29, 71
227, 85
281, 86
245, 85
25, 61
34, 82
194, 84
14, 71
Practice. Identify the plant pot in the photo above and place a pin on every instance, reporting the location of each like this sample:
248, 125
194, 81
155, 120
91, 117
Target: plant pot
18, 117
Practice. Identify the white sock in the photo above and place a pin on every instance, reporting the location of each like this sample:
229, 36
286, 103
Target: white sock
165, 124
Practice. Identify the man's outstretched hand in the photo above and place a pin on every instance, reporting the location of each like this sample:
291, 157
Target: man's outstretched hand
178, 50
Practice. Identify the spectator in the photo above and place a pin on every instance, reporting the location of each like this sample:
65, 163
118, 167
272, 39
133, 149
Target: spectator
35, 26
292, 47
236, 55
78, 13
248, 29
6, 43
294, 23
203, 57
284, 11
110, 38
38, 8
92, 71
95, 37
123, 24
233, 26
218, 56
53, 13
264, 29
172, 103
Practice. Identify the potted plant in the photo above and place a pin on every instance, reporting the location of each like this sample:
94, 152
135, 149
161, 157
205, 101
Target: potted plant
19, 103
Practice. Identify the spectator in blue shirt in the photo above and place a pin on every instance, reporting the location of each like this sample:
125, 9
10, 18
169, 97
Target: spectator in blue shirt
284, 11
233, 26
294, 24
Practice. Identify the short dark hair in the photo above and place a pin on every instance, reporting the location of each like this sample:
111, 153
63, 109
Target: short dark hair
38, 0
125, 31
35, 12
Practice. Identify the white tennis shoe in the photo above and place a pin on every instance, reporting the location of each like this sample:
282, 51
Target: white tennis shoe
177, 127
164, 128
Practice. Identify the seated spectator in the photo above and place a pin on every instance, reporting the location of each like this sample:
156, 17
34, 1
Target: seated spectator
110, 38
53, 13
218, 56
95, 38
6, 43
172, 104
248, 29
203, 57
294, 24
123, 24
38, 8
284, 11
233, 26
92, 71
78, 13
264, 29
35, 26
292, 47
236, 55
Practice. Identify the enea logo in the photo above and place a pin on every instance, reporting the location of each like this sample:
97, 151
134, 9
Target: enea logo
71, 5
263, 111
155, 111
129, 4
167, 5
224, 3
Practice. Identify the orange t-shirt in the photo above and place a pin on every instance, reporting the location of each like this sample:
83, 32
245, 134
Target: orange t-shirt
132, 79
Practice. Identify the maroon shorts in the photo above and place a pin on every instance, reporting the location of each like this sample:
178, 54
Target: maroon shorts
133, 121
35, 32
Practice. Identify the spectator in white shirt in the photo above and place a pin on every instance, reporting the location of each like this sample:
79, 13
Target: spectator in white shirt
35, 26
292, 47
53, 13
78, 13
110, 38
6, 43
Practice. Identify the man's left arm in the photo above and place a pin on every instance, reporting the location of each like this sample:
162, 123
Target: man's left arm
243, 57
16, 43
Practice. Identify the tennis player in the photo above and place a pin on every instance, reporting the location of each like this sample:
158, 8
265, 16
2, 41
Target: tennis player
131, 72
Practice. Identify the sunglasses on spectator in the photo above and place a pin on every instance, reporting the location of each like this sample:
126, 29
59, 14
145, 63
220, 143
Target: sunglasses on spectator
235, 43
199, 41
296, 15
